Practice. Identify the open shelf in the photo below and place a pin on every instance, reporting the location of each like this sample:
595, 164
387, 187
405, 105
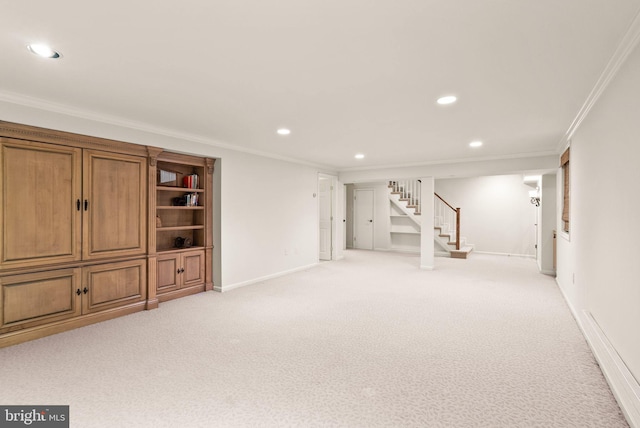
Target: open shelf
179, 207
191, 227
178, 189
166, 250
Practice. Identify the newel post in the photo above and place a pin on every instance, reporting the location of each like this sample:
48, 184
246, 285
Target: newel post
457, 228
427, 250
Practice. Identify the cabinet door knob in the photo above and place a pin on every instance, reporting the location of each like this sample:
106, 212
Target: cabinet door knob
86, 204
181, 270
78, 292
85, 290
78, 204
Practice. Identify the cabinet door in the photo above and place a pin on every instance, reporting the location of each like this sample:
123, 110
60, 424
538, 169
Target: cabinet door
178, 270
168, 273
114, 205
32, 299
193, 265
113, 284
41, 189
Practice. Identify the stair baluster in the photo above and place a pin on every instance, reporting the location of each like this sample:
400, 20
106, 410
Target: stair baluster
449, 216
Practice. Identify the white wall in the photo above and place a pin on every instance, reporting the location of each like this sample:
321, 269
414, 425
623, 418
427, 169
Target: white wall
265, 206
547, 223
599, 267
269, 217
217, 222
496, 215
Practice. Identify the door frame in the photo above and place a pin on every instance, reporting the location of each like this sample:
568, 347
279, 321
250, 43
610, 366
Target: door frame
338, 239
328, 181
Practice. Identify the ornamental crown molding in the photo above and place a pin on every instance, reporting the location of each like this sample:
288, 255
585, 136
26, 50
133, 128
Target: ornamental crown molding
619, 57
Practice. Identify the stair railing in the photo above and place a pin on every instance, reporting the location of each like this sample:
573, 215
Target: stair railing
448, 215
409, 190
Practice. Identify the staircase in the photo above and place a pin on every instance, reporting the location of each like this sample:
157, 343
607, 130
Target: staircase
446, 224
404, 215
405, 212
405, 194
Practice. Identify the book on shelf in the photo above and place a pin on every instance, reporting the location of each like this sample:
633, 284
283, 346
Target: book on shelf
188, 200
192, 200
190, 181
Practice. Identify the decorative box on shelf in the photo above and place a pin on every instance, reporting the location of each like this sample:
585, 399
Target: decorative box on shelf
169, 178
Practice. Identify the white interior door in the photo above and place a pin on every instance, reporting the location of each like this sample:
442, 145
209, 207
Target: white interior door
325, 218
363, 219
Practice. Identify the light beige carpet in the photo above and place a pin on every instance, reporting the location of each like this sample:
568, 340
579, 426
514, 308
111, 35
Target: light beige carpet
369, 341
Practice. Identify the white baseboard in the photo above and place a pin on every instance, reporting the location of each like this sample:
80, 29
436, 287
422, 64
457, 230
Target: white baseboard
424, 267
623, 384
404, 250
530, 256
230, 287
548, 272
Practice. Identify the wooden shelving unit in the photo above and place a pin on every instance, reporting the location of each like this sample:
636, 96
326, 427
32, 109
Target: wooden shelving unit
181, 235
92, 230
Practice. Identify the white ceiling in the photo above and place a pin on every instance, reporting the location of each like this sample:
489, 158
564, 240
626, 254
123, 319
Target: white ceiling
346, 76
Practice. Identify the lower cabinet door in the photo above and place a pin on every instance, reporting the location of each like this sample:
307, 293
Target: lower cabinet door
180, 270
111, 285
193, 265
33, 299
168, 273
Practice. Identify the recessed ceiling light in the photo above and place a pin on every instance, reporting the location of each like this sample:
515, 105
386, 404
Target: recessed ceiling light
43, 51
449, 99
284, 131
475, 143
359, 156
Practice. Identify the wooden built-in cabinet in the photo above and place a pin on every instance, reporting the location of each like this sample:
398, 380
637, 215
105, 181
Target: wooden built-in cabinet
88, 232
56, 198
41, 188
34, 299
111, 285
115, 201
